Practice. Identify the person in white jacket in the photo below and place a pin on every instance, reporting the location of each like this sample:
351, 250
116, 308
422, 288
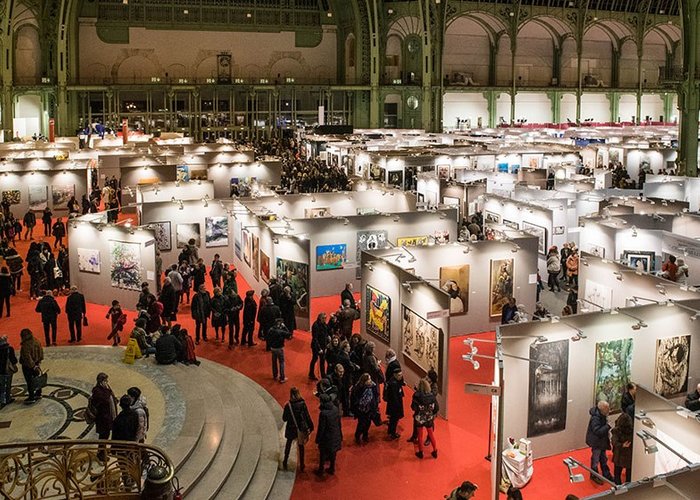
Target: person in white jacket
141, 408
553, 269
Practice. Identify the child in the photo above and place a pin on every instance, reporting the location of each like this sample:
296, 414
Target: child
118, 319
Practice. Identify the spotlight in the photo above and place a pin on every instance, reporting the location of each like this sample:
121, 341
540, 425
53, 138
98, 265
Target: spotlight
662, 289
470, 359
275, 240
618, 275
649, 448
408, 287
369, 266
571, 465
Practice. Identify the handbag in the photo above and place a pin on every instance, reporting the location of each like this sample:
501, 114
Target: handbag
40, 381
302, 436
11, 367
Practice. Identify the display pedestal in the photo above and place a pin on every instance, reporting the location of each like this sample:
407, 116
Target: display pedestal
518, 467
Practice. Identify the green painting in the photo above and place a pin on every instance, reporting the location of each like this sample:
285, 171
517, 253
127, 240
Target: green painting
613, 362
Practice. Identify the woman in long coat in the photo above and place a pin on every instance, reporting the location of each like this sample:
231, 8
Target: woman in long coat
329, 436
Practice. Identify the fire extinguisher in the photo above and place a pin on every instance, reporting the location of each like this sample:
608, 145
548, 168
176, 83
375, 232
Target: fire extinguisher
177, 495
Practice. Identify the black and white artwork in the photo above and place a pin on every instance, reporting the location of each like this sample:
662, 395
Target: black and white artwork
672, 362
216, 231
162, 234
547, 393
185, 232
491, 218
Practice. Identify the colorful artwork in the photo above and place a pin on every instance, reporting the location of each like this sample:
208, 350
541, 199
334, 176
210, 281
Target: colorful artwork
413, 241
366, 211
185, 232
296, 275
672, 364
183, 173
443, 171
441, 237
598, 294
38, 197
330, 257
378, 313
421, 341
247, 247
89, 260
255, 257
125, 265
640, 260
237, 238
264, 267
216, 231
547, 390
541, 234
163, 235
61, 194
454, 280
613, 365
501, 285
317, 213
12, 196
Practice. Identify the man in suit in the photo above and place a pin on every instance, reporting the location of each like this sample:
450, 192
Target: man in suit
346, 294
75, 310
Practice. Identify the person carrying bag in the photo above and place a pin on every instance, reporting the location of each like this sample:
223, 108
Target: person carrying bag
299, 429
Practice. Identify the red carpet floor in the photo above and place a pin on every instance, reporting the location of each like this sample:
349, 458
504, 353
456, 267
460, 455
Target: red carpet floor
382, 469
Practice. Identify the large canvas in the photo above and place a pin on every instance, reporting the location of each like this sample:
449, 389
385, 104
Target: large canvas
247, 247
378, 314
12, 196
598, 294
186, 232
413, 241
163, 235
38, 197
547, 390
672, 363
216, 231
237, 239
89, 260
541, 234
613, 361
331, 256
255, 256
501, 285
454, 280
296, 275
61, 194
421, 341
125, 265
264, 267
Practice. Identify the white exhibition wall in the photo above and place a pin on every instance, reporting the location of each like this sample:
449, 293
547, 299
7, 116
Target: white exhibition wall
268, 173
674, 188
152, 193
93, 263
54, 183
464, 106
601, 327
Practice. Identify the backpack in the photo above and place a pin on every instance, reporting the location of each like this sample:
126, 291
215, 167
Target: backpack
365, 402
90, 412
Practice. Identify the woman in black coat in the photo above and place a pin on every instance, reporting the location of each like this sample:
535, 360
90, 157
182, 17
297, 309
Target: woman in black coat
296, 414
364, 400
622, 437
393, 395
168, 297
6, 290
287, 308
218, 314
329, 436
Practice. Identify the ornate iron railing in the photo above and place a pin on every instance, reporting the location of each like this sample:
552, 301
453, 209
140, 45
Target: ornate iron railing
78, 469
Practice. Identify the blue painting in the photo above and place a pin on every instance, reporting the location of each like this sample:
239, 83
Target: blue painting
331, 256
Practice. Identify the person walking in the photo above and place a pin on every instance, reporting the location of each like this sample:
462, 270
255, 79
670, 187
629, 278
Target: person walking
553, 269
622, 436
46, 218
275, 340
299, 427
75, 311
329, 436
8, 367
598, 438
31, 354
393, 395
268, 315
234, 304
117, 320
564, 255
177, 282
201, 310
250, 310
59, 232
49, 310
29, 220
15, 264
347, 294
286, 304
7, 289
319, 342
425, 408
572, 263
364, 400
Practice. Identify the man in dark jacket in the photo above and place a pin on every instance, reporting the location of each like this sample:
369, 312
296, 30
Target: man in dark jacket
393, 395
392, 364
29, 223
628, 399
346, 317
48, 307
275, 290
319, 342
250, 310
217, 271
598, 438
75, 310
346, 294
104, 403
269, 314
508, 311
167, 349
692, 401
201, 310
329, 436
125, 428
168, 297
233, 307
275, 341
8, 363
142, 303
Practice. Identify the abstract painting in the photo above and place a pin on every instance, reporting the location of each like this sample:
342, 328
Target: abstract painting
255, 256
61, 194
441, 237
371, 240
183, 173
454, 280
547, 390
186, 232
378, 313
237, 237
216, 231
613, 365
511, 224
672, 363
38, 197
296, 276
421, 341
89, 260
596, 250
163, 235
125, 265
264, 267
598, 294
413, 241
639, 260
331, 256
247, 247
316, 213
501, 285
12, 196
541, 234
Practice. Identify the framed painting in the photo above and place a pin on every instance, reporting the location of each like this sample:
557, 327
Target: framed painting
255, 256
163, 235
491, 218
500, 285
330, 257
412, 241
38, 197
183, 173
441, 237
247, 247
125, 265
511, 224
672, 366
12, 196
237, 239
216, 231
541, 234
396, 178
264, 267
317, 213
421, 342
366, 211
613, 366
598, 294
454, 281
547, 388
89, 260
371, 240
186, 232
296, 275
378, 314
596, 250
640, 260
199, 174
61, 194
